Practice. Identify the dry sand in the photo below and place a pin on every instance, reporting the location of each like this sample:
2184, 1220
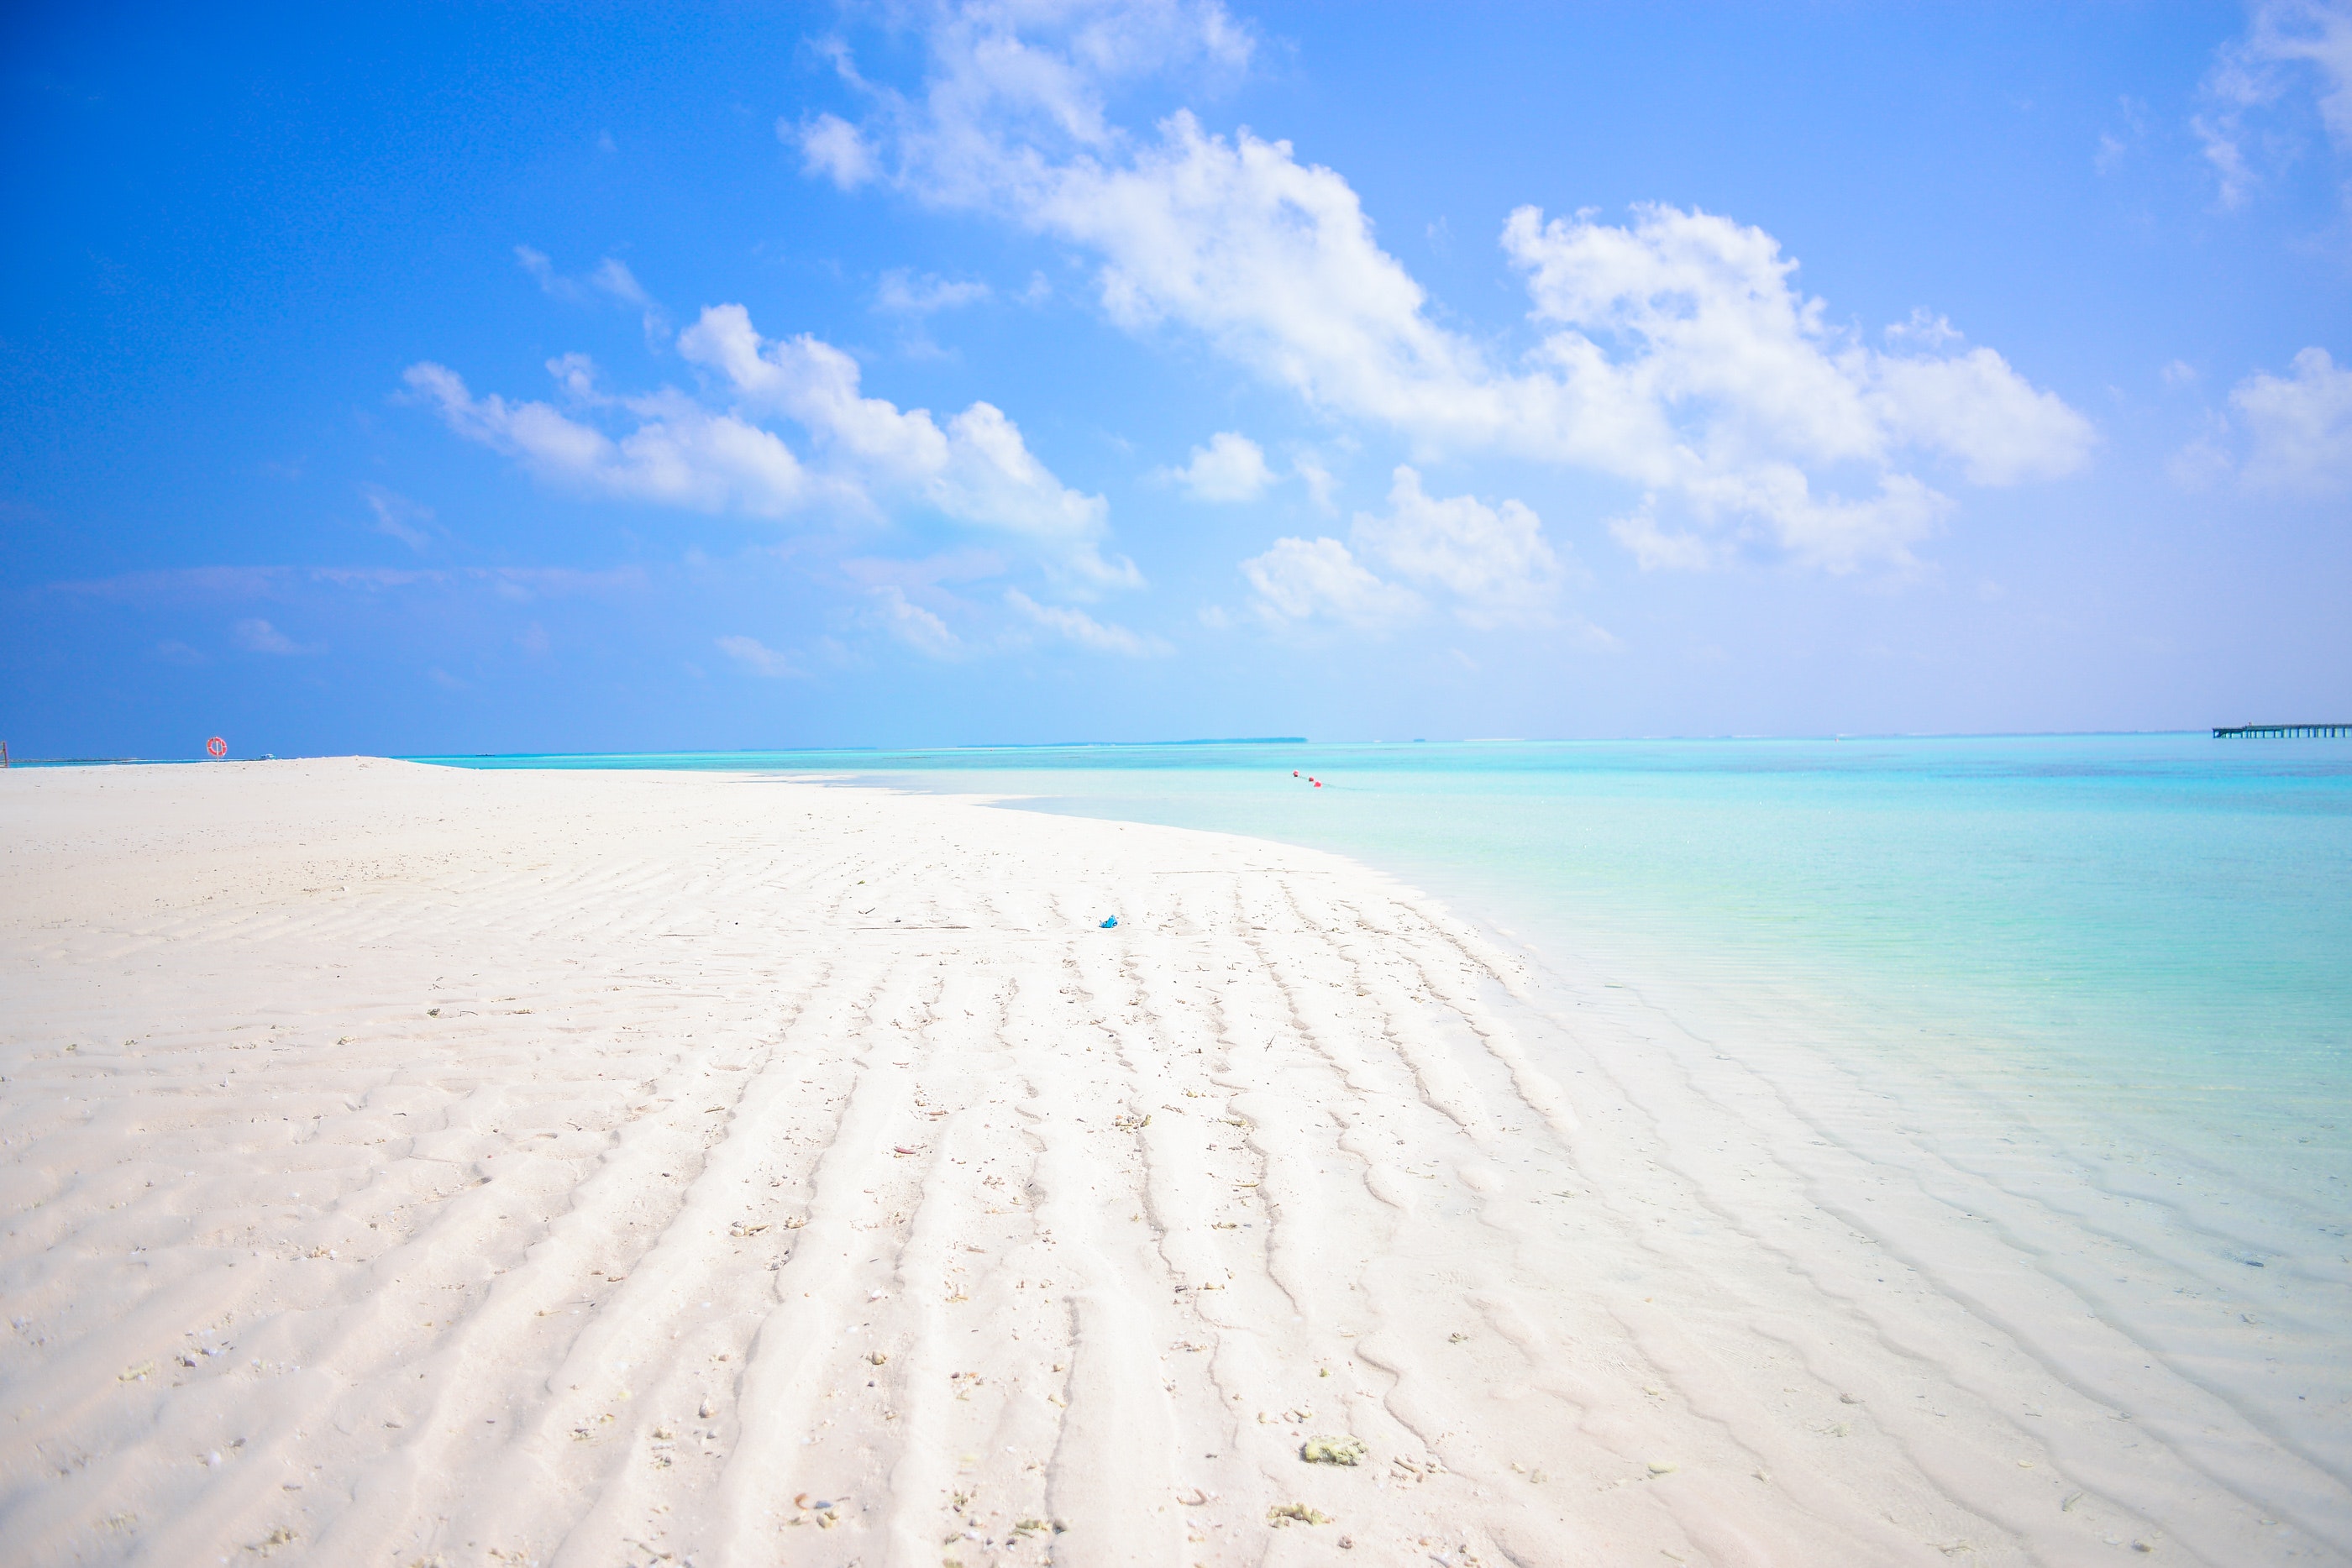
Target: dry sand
412, 1165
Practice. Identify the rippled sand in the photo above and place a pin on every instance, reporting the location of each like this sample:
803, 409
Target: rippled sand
411, 1165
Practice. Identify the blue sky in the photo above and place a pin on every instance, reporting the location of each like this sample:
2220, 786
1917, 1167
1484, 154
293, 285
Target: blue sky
523, 378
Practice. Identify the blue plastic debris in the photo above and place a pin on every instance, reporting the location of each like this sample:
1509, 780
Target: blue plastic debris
1108, 923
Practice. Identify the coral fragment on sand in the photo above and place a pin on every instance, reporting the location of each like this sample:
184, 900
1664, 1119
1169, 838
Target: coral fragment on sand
1334, 1450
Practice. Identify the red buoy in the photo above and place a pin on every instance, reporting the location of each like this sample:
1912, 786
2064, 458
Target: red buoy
217, 747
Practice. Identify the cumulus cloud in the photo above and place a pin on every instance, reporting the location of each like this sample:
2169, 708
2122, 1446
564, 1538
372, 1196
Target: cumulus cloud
1232, 467
1077, 626
868, 456
756, 656
832, 147
1674, 353
976, 470
1305, 580
680, 453
1494, 561
2298, 429
1729, 392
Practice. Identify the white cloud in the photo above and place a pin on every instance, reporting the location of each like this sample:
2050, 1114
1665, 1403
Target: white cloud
1926, 328
912, 624
260, 637
757, 657
399, 517
2299, 426
2218, 137
1496, 563
1040, 68
1725, 360
679, 455
2288, 435
832, 147
2113, 148
1077, 626
869, 455
978, 470
1321, 485
539, 265
1654, 550
1301, 580
2206, 461
902, 293
1674, 354
614, 278
611, 277
1232, 467
2285, 34
2289, 45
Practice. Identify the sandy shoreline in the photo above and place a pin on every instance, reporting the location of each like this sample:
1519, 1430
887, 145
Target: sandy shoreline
406, 1165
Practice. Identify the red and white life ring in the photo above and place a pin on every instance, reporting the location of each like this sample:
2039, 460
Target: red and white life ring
217, 747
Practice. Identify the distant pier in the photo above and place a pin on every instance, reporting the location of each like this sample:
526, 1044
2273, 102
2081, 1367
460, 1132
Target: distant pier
2279, 731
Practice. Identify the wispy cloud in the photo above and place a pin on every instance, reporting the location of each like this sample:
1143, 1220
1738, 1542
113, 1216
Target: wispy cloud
1077, 626
911, 624
608, 279
396, 514
757, 657
186, 584
903, 293
258, 636
2291, 47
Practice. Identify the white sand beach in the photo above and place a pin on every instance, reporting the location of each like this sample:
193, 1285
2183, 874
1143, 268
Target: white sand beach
412, 1165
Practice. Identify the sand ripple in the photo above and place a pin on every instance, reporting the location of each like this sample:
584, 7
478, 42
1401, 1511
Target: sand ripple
407, 1165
